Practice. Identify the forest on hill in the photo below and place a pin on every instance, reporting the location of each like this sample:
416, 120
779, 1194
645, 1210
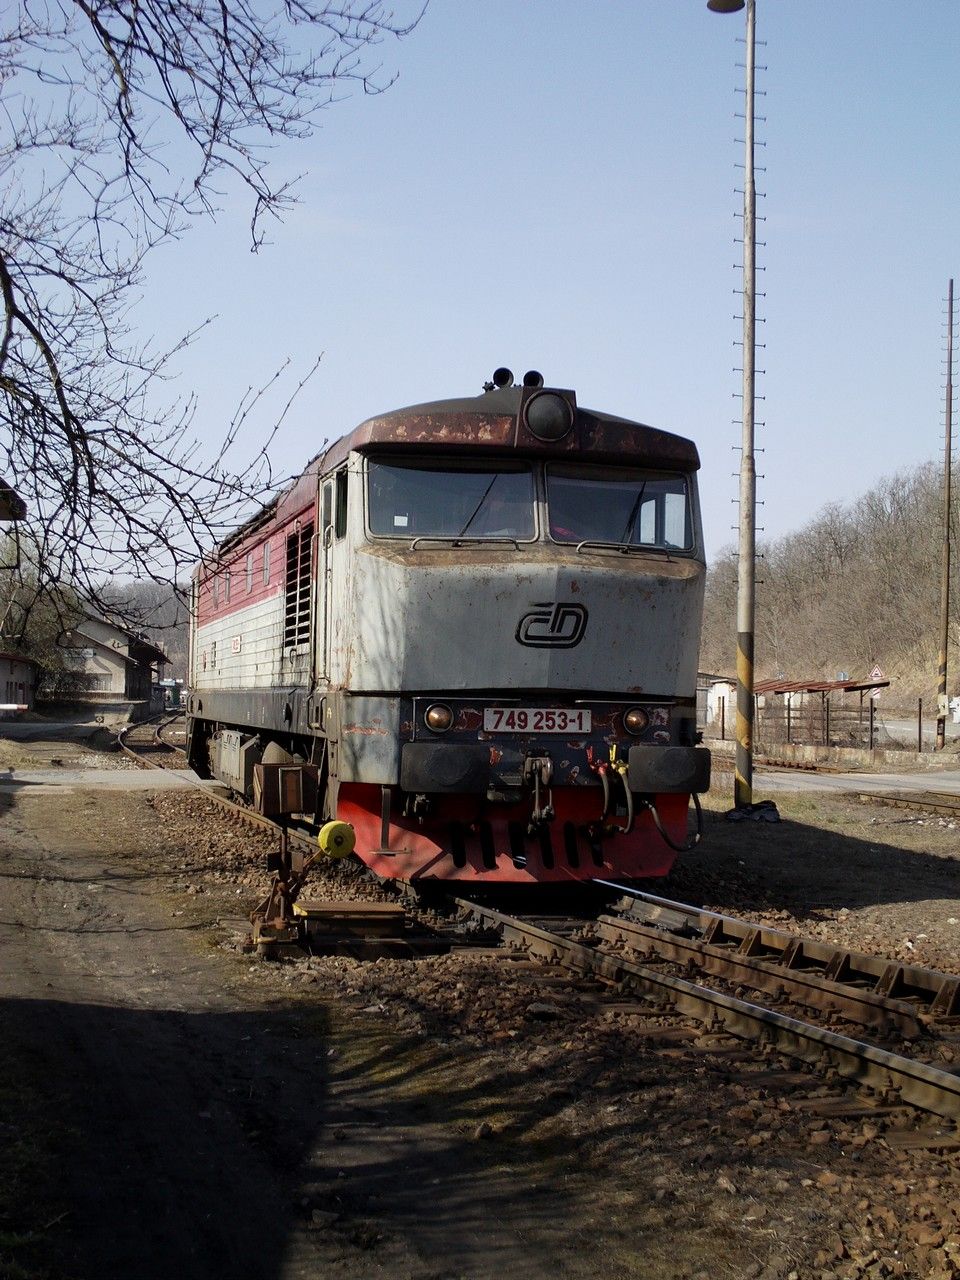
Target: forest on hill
858, 585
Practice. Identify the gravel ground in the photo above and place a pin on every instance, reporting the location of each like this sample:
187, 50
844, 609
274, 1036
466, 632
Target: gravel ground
713, 1161
543, 1127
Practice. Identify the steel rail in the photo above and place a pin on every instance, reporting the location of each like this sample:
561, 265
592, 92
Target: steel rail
925, 1087
806, 987
855, 975
248, 815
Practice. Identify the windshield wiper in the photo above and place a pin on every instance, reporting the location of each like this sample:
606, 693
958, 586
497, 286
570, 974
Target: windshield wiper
478, 508
625, 548
624, 537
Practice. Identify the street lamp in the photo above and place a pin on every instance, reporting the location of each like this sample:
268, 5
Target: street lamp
746, 563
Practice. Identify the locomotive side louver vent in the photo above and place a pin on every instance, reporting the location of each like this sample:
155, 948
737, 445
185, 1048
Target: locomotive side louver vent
296, 617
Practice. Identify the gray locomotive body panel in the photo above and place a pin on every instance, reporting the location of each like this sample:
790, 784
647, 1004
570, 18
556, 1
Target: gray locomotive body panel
453, 620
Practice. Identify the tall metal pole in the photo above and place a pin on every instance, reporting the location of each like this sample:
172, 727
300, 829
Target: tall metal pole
746, 571
945, 558
746, 566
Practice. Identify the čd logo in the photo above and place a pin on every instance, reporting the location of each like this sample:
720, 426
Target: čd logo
552, 626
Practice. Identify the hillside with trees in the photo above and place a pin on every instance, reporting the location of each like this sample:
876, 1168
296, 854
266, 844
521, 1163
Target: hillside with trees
859, 584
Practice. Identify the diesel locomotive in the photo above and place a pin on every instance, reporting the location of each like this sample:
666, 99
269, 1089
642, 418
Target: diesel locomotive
473, 626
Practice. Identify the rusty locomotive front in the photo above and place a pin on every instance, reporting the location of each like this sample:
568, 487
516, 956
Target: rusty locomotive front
474, 625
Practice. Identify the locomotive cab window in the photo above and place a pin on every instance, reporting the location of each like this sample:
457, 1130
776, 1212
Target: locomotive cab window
444, 498
619, 507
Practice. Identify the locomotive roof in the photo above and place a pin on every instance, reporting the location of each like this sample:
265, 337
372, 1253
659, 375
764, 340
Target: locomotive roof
470, 425
495, 420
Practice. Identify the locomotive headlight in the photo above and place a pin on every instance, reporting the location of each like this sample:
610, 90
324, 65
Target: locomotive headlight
636, 720
439, 717
548, 416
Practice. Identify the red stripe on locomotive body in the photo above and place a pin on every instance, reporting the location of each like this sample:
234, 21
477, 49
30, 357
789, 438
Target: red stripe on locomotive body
424, 852
236, 563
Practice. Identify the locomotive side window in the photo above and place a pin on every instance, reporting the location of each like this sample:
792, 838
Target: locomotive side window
619, 507
296, 616
448, 499
340, 522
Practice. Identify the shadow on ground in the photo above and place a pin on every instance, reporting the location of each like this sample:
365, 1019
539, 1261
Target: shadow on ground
811, 870
158, 1144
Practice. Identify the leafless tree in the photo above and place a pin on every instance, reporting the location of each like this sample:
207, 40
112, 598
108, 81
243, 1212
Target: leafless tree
858, 584
121, 121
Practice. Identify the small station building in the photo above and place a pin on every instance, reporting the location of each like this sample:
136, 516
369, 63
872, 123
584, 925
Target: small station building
111, 668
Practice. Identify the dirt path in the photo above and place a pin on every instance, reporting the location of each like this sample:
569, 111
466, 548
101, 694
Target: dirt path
199, 1130
171, 1107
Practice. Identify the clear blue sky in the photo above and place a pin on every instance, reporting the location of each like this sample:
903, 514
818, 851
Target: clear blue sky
551, 184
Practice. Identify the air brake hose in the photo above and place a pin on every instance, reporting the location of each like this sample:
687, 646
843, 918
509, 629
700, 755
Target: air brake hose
630, 813
602, 770
691, 844
620, 767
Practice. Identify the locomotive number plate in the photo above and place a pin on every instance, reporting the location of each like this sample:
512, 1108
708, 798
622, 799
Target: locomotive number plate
535, 720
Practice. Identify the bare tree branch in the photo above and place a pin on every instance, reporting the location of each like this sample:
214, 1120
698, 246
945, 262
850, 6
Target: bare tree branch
120, 120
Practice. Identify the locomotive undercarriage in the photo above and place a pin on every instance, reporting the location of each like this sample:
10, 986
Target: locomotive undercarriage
494, 809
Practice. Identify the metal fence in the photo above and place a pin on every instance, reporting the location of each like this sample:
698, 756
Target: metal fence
823, 720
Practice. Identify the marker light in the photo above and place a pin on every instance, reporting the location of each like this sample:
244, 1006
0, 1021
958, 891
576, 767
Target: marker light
636, 720
439, 717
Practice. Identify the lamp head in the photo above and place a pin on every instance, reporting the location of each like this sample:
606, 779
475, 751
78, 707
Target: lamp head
725, 6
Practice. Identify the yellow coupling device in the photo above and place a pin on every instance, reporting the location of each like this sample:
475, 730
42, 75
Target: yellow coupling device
336, 839
617, 764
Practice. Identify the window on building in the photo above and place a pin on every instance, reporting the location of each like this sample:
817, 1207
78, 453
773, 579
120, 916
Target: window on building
249, 572
213, 654
266, 563
296, 618
215, 591
226, 587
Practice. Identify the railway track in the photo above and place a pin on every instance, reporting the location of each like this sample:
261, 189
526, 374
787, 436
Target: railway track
940, 802
604, 951
649, 949
862, 988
